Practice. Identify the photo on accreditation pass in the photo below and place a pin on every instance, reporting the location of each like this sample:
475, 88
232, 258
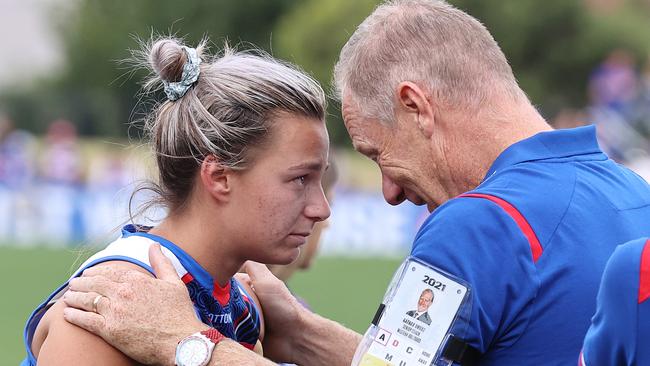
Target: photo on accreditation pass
417, 317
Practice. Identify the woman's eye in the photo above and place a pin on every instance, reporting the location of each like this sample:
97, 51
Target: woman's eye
301, 179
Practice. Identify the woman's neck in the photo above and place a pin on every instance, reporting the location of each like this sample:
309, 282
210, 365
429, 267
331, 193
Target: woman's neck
201, 240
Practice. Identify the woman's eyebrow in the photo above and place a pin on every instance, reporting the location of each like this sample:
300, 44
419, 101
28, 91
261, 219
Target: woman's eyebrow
312, 165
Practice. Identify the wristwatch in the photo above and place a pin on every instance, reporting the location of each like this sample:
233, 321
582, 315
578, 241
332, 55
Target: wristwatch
196, 349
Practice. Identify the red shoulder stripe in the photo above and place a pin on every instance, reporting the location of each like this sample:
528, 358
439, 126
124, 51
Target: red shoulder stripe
187, 278
535, 246
644, 273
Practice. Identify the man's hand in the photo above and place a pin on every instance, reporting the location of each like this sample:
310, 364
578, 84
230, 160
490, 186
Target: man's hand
293, 333
283, 314
142, 316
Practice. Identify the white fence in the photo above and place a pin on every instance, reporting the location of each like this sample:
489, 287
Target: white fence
362, 224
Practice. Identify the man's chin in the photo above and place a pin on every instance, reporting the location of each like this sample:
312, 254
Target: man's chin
416, 200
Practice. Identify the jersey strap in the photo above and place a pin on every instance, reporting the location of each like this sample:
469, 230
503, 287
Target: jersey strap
535, 246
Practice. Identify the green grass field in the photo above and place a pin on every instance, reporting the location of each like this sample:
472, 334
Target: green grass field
343, 289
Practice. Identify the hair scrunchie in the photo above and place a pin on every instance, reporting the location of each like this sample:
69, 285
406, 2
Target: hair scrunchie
191, 70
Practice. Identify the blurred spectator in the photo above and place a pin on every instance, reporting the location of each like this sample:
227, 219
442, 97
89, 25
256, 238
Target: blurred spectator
108, 171
61, 159
643, 105
617, 107
613, 84
16, 173
61, 193
16, 155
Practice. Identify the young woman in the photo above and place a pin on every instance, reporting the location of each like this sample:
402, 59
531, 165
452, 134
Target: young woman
310, 249
241, 147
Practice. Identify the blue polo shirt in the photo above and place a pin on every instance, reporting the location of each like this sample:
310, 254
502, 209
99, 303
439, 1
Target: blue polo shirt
620, 330
534, 282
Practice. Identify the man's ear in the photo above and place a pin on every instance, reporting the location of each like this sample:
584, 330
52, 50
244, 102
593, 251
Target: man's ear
215, 178
412, 99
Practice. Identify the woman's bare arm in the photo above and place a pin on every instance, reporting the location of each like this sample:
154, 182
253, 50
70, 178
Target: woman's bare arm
58, 342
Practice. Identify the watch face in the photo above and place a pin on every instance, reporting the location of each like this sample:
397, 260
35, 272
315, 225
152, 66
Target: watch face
193, 351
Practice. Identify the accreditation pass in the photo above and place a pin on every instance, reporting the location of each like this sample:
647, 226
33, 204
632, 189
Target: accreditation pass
417, 317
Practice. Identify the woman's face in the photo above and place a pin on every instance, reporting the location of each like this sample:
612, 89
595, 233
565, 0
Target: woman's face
276, 201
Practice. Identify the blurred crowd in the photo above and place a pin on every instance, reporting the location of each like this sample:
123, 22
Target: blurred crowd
619, 105
51, 189
62, 190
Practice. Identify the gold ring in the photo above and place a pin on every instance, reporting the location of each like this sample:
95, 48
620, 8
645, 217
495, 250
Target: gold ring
95, 302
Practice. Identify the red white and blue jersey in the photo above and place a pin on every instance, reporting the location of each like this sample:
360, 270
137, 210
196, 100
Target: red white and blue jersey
620, 330
228, 309
532, 241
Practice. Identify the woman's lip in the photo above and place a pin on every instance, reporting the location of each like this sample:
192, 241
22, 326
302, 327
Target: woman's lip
301, 239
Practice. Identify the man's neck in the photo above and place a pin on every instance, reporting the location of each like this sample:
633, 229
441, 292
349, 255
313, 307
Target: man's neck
483, 138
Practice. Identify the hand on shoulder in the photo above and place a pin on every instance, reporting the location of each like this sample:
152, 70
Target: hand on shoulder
54, 335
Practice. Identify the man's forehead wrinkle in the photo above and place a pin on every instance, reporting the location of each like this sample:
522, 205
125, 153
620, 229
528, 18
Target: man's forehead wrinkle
355, 135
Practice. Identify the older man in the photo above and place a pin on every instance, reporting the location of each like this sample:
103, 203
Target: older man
525, 215
422, 311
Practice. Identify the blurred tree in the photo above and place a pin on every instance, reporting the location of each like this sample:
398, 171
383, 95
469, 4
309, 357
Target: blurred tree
98, 94
552, 45
312, 34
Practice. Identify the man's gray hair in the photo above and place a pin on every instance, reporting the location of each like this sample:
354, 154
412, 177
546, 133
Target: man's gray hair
428, 42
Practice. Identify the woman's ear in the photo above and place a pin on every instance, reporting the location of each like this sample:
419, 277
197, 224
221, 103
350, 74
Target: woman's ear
215, 178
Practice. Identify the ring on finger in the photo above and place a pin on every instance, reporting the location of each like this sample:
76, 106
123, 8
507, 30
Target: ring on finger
96, 301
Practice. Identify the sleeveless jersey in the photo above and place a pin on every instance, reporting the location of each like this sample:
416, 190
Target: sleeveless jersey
228, 309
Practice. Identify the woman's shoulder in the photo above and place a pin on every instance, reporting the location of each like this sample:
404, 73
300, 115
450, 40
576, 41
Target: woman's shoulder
130, 249
54, 337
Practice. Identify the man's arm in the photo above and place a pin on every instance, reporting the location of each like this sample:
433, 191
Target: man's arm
323, 343
135, 307
326, 343
293, 333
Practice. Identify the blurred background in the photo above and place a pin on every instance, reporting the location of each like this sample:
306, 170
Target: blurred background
71, 150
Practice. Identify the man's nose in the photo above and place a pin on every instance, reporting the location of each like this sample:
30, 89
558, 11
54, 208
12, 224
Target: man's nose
393, 193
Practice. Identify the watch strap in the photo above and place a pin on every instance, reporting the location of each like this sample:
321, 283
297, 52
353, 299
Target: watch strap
209, 338
213, 335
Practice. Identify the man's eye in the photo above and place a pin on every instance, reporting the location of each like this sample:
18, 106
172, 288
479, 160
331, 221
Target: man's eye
301, 179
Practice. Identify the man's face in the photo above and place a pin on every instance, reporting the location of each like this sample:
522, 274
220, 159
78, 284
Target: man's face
402, 153
425, 301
